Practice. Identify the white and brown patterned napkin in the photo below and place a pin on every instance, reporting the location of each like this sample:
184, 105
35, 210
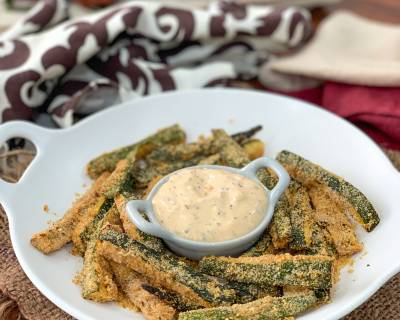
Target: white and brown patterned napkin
73, 68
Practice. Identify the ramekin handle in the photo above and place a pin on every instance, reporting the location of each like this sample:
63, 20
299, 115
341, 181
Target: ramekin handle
133, 207
265, 162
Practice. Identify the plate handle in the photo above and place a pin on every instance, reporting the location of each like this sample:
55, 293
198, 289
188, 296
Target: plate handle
39, 137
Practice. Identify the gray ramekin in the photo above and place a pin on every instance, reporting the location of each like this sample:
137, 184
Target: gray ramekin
196, 249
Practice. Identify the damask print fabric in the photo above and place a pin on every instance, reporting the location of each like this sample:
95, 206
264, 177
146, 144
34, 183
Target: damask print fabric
66, 69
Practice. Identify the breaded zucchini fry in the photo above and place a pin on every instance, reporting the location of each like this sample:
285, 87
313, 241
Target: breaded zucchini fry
180, 152
266, 308
340, 230
149, 240
281, 227
152, 307
301, 216
82, 232
276, 270
119, 180
143, 172
60, 233
351, 199
321, 244
171, 298
322, 295
251, 291
261, 247
96, 278
231, 153
254, 148
267, 177
211, 160
109, 160
164, 270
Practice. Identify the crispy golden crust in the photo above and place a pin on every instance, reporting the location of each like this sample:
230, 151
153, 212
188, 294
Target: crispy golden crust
113, 183
301, 216
151, 185
254, 148
60, 232
276, 270
165, 270
152, 307
266, 308
135, 233
340, 230
349, 197
96, 278
108, 161
83, 223
128, 226
157, 278
281, 227
231, 153
262, 246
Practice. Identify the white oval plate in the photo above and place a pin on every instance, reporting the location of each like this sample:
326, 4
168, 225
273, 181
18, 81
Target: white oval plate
57, 173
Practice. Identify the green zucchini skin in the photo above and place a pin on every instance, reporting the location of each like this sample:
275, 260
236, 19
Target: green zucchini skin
267, 178
131, 283
301, 216
231, 153
171, 298
173, 274
249, 291
96, 277
321, 245
109, 160
147, 239
120, 181
169, 158
241, 137
276, 270
180, 153
309, 174
92, 227
281, 227
266, 308
262, 246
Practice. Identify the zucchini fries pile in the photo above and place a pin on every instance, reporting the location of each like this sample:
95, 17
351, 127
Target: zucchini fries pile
288, 271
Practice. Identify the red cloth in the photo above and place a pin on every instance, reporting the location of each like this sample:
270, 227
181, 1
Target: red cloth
373, 109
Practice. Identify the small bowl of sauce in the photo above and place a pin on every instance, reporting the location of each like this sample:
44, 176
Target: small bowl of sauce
210, 210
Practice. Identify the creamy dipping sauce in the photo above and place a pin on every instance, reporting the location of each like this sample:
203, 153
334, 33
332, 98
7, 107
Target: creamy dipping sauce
210, 205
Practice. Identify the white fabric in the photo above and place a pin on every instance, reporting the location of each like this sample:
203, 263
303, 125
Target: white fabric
348, 49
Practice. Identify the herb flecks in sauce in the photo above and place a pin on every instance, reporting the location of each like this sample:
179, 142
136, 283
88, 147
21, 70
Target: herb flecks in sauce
212, 205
